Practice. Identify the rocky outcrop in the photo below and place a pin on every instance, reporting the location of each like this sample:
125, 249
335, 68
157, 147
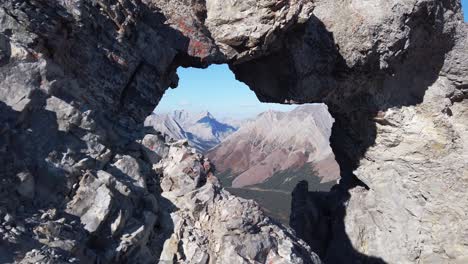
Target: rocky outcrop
209, 225
394, 77
78, 78
247, 29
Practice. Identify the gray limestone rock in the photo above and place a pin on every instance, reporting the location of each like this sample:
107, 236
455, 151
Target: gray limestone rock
154, 148
212, 226
248, 29
92, 203
393, 77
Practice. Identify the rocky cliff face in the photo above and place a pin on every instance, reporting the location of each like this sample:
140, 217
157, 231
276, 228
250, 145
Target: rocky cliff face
77, 79
394, 77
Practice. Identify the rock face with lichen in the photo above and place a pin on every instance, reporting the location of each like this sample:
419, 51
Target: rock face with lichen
83, 181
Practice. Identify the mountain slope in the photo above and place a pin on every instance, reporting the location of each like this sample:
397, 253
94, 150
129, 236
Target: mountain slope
268, 156
202, 130
263, 147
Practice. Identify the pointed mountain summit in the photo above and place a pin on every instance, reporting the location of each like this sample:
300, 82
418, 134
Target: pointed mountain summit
202, 130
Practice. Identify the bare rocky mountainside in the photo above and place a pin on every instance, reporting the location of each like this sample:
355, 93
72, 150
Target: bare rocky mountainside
83, 181
263, 147
265, 161
202, 130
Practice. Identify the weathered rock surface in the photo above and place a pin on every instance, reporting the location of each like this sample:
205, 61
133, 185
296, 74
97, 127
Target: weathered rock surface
247, 29
394, 77
78, 78
209, 225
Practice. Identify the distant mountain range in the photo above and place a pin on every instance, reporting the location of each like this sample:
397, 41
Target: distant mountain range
263, 147
202, 130
259, 158
268, 156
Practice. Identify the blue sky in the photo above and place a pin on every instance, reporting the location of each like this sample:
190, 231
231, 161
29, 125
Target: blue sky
216, 90
465, 9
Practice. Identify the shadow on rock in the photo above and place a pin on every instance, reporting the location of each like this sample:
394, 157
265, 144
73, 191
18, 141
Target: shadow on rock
33, 189
164, 229
318, 219
310, 67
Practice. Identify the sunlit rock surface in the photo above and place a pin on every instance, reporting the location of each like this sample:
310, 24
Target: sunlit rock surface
209, 225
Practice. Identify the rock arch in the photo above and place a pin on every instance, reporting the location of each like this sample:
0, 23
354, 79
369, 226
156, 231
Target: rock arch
79, 77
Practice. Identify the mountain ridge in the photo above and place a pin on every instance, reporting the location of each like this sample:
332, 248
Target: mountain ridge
202, 129
262, 147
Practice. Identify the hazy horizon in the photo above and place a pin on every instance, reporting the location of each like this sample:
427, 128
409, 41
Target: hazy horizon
216, 116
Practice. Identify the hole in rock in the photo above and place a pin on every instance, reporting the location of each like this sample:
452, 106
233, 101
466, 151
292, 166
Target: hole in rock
261, 151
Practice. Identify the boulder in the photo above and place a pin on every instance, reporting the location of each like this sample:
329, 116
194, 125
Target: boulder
92, 202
